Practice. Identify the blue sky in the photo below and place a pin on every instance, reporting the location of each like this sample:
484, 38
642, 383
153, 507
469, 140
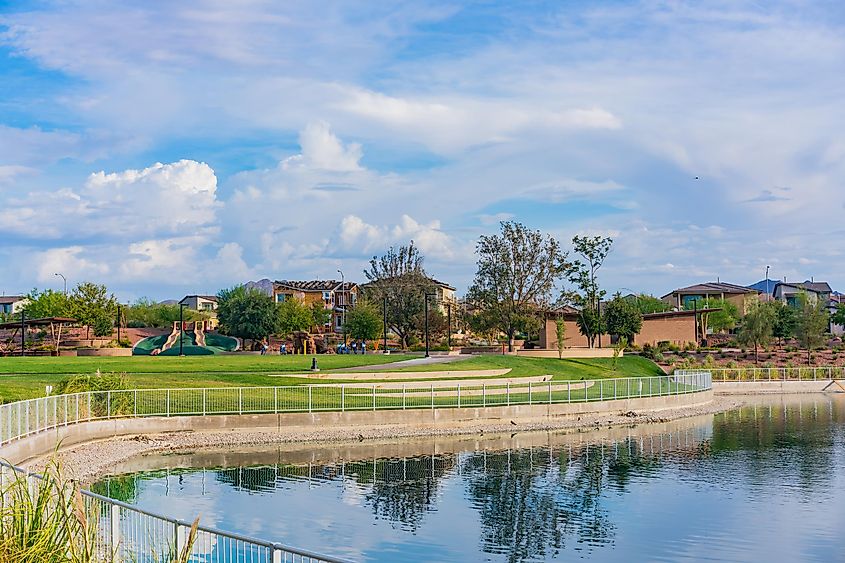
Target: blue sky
166, 149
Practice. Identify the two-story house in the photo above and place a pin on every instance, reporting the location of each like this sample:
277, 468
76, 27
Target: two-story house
683, 299
442, 295
12, 304
790, 292
332, 294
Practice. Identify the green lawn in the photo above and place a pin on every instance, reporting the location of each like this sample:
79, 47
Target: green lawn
593, 368
26, 377
23, 378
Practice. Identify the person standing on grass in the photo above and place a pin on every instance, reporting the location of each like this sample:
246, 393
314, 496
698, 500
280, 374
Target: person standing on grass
363, 347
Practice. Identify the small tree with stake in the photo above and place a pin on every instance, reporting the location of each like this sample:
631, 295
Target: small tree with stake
757, 328
812, 324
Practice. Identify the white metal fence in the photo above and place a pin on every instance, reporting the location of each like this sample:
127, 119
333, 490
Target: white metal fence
132, 534
126, 533
803, 373
24, 418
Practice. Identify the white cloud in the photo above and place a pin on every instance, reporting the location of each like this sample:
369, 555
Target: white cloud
355, 234
322, 150
177, 198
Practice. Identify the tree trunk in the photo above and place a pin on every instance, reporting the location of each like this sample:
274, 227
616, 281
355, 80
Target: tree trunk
510, 341
756, 357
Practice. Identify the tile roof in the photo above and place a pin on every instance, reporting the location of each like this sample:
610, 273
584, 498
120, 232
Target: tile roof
316, 285
816, 287
206, 297
7, 299
714, 287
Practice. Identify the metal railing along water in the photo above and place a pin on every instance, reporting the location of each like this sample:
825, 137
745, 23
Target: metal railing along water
131, 532
795, 373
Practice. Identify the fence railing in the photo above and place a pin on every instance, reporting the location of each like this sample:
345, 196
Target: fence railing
804, 373
24, 418
126, 533
133, 534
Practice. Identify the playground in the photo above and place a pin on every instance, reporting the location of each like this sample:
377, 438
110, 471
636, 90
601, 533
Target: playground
194, 339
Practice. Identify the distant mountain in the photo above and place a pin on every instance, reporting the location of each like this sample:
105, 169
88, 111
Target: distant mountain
761, 285
265, 285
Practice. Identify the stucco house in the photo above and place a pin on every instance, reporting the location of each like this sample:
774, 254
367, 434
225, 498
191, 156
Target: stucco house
12, 304
443, 298
683, 298
789, 292
203, 303
331, 294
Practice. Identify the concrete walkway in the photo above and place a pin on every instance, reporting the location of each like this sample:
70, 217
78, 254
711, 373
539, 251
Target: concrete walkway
411, 363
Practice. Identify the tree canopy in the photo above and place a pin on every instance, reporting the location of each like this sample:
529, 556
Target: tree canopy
516, 274
397, 281
812, 323
623, 318
47, 303
363, 321
756, 329
584, 275
248, 313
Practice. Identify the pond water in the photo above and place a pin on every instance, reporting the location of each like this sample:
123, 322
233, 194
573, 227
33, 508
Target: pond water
766, 482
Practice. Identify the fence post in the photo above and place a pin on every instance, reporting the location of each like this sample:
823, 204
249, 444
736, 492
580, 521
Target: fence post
115, 527
179, 539
529, 391
484, 394
601, 389
309, 398
240, 400
568, 392
508, 393
135, 404
403, 396
108, 404
459, 395
204, 401
275, 400
90, 414
432, 395
342, 398
614, 389
374, 396
585, 390
167, 397
277, 555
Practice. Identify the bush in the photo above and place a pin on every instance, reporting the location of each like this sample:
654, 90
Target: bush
102, 404
658, 357
136, 324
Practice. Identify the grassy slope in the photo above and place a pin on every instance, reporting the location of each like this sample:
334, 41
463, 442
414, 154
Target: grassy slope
26, 377
22, 378
594, 368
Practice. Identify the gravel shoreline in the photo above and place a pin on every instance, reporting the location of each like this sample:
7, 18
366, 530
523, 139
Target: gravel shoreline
86, 462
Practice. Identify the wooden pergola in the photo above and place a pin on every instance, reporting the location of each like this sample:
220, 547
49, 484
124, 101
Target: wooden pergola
54, 325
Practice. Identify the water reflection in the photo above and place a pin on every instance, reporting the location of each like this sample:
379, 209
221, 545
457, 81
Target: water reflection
718, 487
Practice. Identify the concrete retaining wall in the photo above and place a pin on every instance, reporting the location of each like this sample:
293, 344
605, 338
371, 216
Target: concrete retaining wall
757, 387
40, 444
569, 353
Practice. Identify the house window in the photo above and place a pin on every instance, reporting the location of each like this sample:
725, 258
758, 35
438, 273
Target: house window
280, 298
354, 297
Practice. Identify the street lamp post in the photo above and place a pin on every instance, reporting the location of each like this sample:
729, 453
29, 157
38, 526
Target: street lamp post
118, 324
64, 279
449, 325
343, 306
767, 284
181, 328
384, 327
23, 333
427, 347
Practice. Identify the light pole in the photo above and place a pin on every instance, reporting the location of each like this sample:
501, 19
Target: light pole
343, 306
449, 325
118, 324
181, 327
63, 279
427, 295
384, 327
767, 284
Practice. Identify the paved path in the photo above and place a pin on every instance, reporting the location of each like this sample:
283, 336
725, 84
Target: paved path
412, 363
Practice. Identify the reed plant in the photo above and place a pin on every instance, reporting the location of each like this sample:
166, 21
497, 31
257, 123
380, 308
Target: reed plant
46, 519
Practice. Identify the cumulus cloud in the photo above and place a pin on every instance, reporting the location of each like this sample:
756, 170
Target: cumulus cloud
357, 235
163, 199
322, 150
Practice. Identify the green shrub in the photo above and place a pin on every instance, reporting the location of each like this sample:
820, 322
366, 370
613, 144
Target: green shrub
103, 403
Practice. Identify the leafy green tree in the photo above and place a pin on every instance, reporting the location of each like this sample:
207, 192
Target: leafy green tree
650, 304
756, 329
397, 281
725, 319
483, 322
839, 316
363, 321
813, 318
517, 272
621, 317
293, 315
560, 336
146, 312
47, 303
93, 306
584, 274
785, 320
320, 316
247, 313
